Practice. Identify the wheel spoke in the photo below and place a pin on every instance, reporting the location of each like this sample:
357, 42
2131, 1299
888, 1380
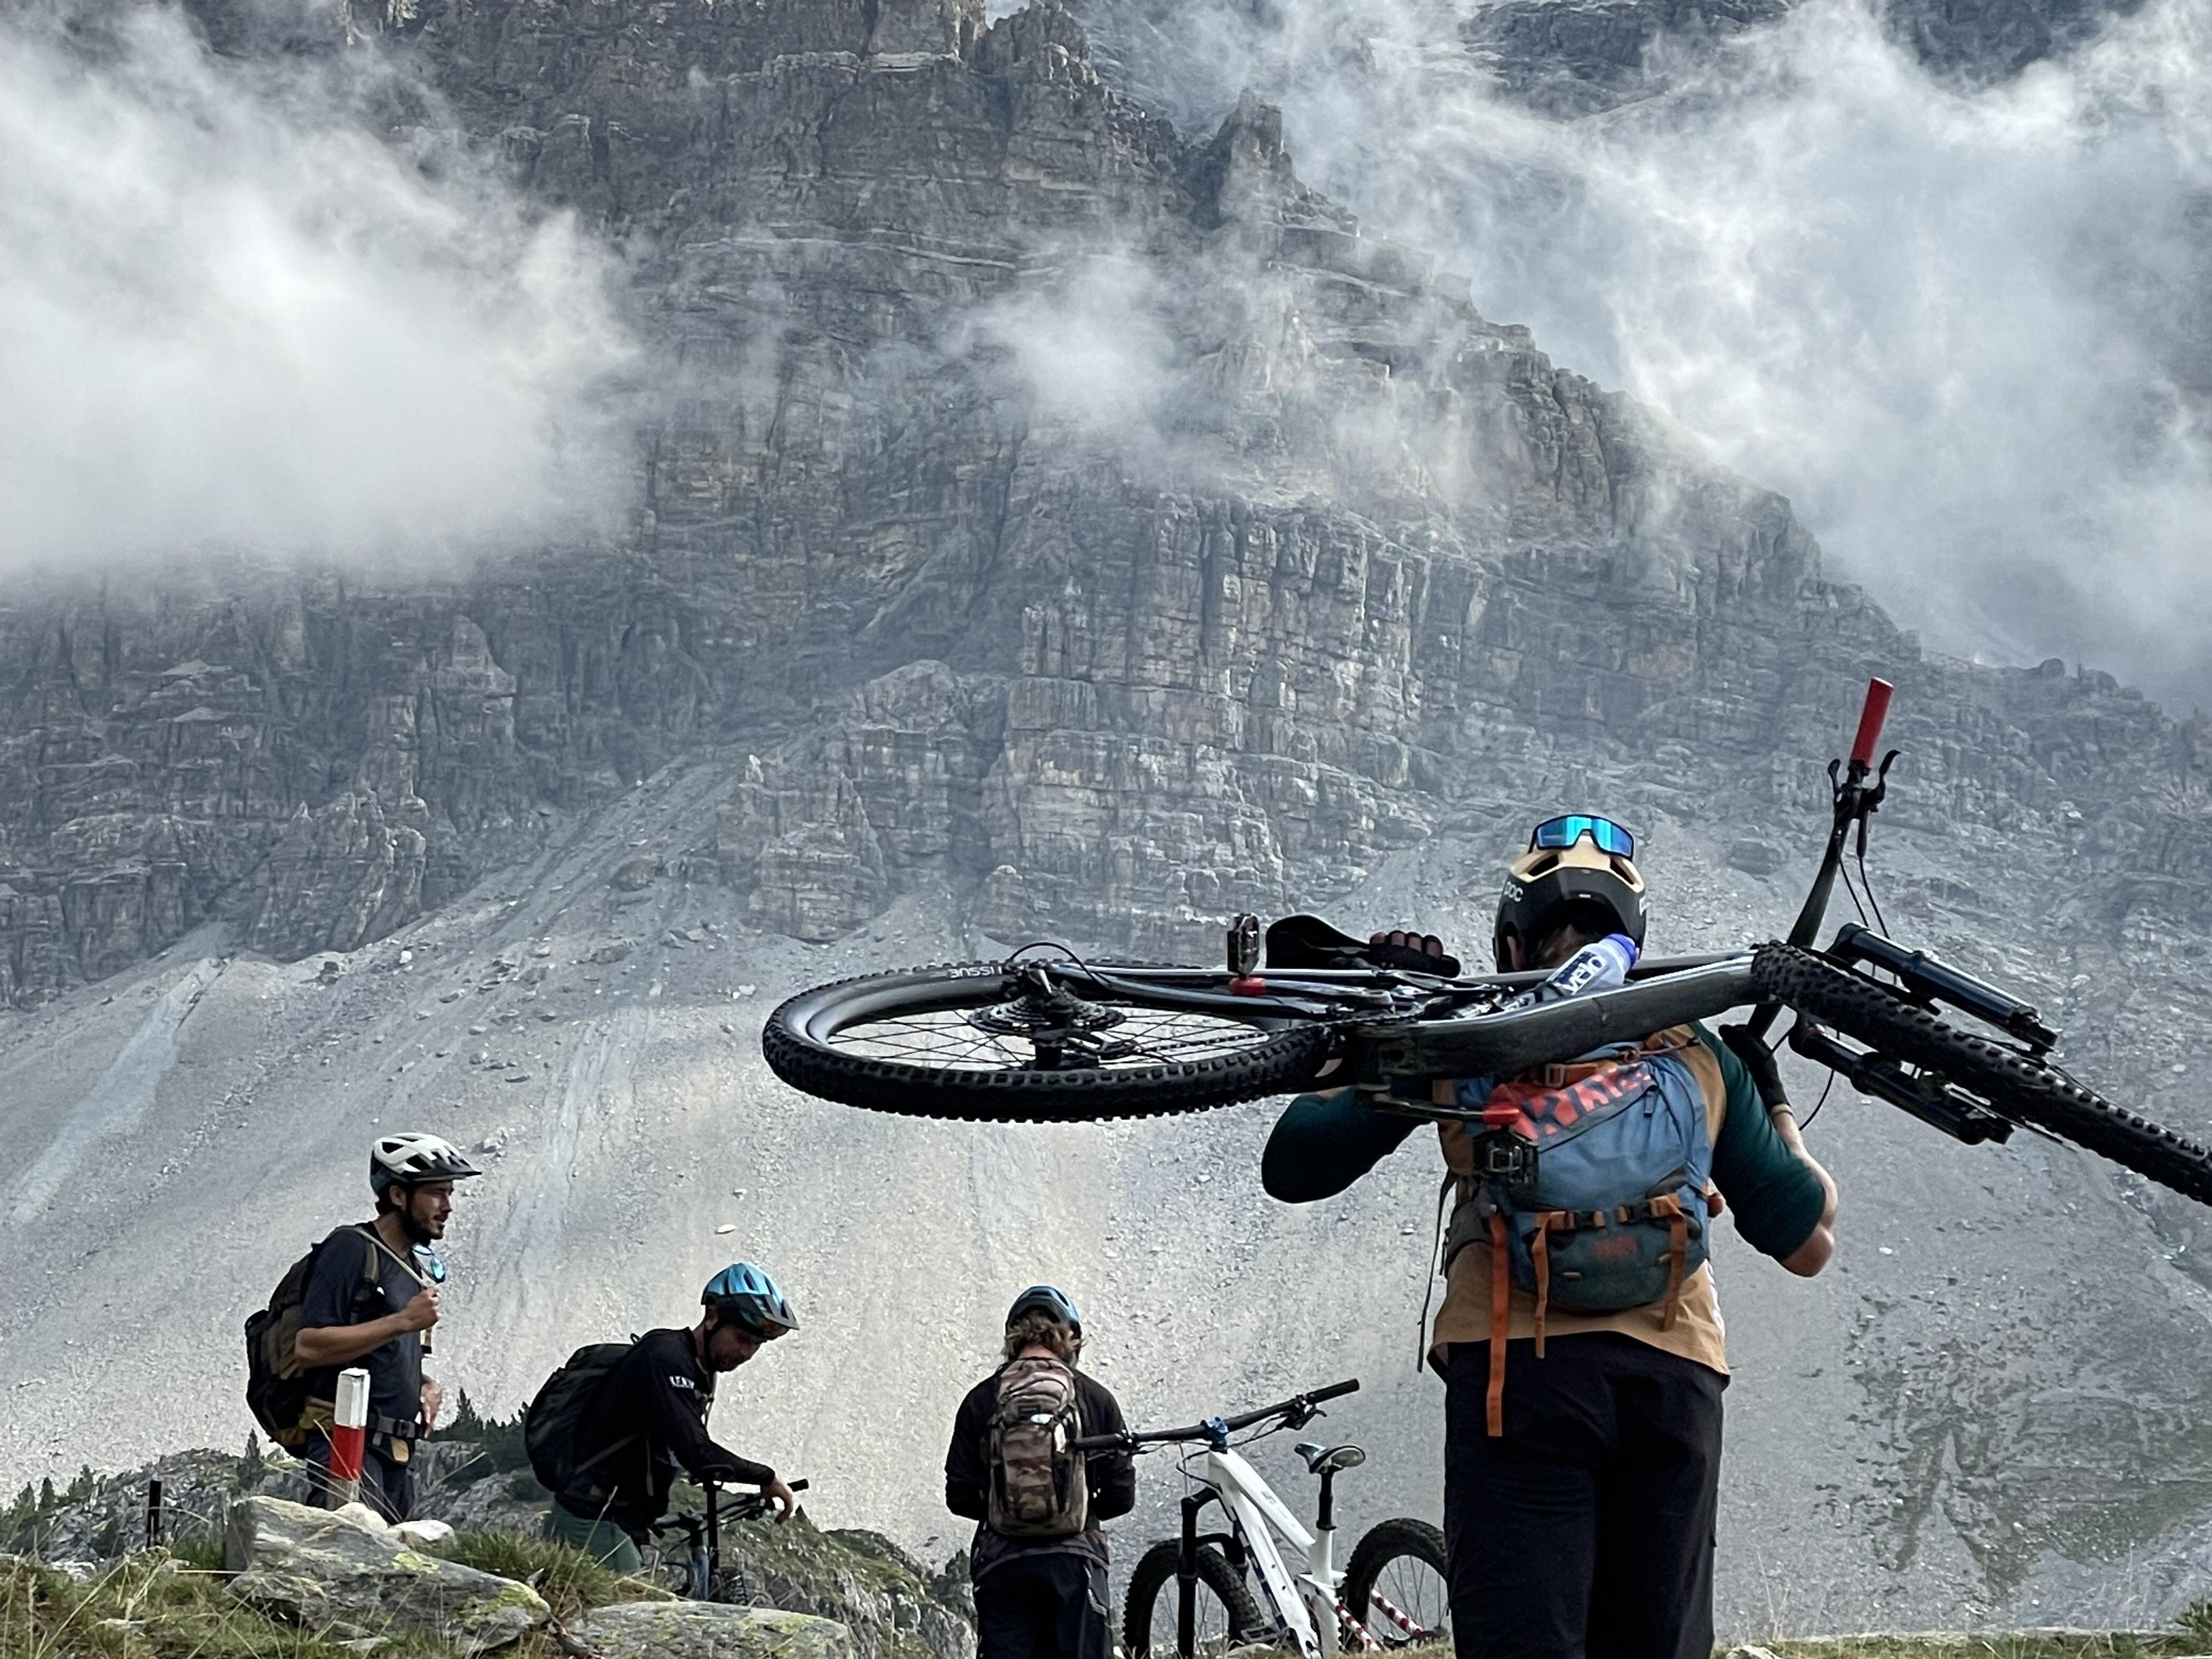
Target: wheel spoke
946, 1040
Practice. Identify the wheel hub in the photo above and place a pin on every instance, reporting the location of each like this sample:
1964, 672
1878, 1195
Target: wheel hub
1059, 1025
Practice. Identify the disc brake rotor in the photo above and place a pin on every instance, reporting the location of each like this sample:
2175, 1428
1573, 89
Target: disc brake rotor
1058, 1023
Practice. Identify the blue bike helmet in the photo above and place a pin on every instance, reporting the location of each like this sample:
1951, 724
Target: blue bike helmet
1044, 1299
744, 1295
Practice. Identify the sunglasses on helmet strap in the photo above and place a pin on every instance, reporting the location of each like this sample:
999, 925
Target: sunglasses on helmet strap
1561, 833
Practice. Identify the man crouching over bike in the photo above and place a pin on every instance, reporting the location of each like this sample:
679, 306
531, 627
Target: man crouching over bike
1580, 1338
648, 1418
1039, 1559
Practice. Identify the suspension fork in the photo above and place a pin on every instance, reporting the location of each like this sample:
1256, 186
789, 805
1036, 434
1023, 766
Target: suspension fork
714, 1537
1187, 1577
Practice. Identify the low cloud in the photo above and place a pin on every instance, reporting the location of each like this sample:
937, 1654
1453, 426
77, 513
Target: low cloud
233, 313
1967, 330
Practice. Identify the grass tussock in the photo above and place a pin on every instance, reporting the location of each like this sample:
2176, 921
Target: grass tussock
571, 1582
147, 1607
163, 1606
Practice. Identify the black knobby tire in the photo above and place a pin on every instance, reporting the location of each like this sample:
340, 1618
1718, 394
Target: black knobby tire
810, 1043
1390, 1544
2017, 1085
1149, 1615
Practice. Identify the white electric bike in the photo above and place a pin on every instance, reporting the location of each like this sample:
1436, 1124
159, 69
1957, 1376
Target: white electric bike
1267, 1578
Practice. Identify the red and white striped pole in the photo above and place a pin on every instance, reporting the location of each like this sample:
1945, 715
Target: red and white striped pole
348, 1435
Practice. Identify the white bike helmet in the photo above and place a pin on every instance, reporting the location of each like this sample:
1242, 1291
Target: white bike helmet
409, 1160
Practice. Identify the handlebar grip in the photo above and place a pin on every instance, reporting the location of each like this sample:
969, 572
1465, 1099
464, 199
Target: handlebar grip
797, 1486
1349, 1385
1100, 1443
1870, 722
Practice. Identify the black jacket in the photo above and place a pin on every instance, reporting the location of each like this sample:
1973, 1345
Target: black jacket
649, 1419
1112, 1476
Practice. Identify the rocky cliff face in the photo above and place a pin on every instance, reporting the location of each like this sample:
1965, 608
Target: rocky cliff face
1092, 520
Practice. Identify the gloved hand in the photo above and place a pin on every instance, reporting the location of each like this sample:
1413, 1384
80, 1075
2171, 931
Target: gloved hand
1416, 953
1759, 1060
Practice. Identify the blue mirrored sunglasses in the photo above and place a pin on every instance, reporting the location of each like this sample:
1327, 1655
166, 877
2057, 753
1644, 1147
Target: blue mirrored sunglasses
1563, 832
432, 1266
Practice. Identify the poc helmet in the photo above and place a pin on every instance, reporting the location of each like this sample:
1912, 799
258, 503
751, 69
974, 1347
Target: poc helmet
1044, 1299
409, 1160
1576, 859
742, 1294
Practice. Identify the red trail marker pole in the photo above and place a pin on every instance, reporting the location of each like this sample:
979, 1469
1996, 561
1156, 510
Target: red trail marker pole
349, 1435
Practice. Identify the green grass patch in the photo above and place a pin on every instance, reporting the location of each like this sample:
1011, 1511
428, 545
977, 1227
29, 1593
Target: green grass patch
147, 1607
570, 1581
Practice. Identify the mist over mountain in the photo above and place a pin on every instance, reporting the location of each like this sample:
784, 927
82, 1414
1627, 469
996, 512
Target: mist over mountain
1941, 288
585, 520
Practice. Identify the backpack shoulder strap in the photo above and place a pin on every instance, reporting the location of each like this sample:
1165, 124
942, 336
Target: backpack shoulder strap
378, 1247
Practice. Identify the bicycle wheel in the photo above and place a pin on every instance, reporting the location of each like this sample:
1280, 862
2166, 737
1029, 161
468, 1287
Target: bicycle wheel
2016, 1083
676, 1569
981, 1042
1225, 1617
1396, 1585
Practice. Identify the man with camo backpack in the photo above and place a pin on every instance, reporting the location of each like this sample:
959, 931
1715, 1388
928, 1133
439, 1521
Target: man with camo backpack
1039, 1559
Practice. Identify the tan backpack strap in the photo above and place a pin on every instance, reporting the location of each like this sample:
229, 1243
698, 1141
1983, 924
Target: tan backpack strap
1501, 1303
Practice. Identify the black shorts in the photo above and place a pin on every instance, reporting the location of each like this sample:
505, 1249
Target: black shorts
1586, 1531
1042, 1604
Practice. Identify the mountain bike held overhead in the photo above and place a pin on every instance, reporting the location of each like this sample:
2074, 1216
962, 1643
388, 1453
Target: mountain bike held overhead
1593, 1127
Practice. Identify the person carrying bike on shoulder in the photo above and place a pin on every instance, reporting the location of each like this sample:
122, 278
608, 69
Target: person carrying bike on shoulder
1039, 1560
373, 1306
1580, 1338
649, 1418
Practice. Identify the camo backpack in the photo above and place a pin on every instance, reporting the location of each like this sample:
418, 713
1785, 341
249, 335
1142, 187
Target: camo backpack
1038, 1487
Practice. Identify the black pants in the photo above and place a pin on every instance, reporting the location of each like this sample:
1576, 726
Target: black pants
385, 1486
1041, 1604
1586, 1532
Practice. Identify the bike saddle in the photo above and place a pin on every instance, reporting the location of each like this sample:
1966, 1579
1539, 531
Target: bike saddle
1327, 1460
1310, 942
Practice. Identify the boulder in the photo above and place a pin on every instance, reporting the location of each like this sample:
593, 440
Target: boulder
707, 1630
330, 1575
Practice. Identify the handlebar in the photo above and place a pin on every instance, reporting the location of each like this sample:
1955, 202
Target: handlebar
692, 1523
1298, 1405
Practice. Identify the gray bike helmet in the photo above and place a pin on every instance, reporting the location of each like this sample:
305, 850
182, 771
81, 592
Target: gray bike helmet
1044, 1299
409, 1160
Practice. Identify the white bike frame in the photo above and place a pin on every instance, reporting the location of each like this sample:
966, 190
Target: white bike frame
1303, 1601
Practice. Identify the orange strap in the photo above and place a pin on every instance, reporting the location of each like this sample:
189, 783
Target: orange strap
1501, 1299
1678, 1253
1540, 1250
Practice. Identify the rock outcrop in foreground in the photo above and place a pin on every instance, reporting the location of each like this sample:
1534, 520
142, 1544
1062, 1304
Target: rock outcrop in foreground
347, 1576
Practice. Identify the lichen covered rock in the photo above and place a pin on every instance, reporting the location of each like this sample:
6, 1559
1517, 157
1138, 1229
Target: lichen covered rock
330, 1575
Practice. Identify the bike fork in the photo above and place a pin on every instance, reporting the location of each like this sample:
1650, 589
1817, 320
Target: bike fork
1187, 1580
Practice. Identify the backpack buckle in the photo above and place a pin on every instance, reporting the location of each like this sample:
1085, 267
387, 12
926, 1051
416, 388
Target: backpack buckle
1504, 1157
